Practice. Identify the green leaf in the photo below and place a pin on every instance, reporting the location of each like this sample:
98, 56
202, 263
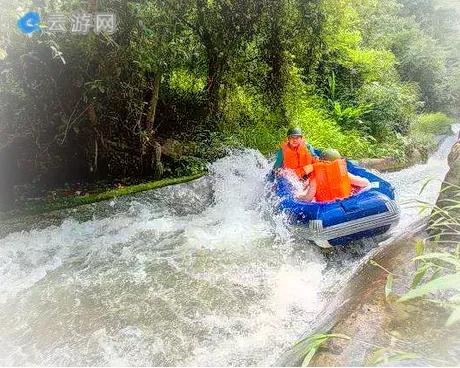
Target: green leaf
401, 356
419, 247
436, 273
379, 357
419, 275
441, 283
376, 357
308, 357
388, 285
454, 317
446, 257
424, 186
308, 346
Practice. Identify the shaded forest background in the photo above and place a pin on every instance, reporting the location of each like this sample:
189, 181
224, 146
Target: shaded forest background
180, 81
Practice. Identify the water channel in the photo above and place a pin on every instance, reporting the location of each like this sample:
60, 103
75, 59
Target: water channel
196, 274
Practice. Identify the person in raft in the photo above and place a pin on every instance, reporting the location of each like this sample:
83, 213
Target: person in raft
295, 156
331, 180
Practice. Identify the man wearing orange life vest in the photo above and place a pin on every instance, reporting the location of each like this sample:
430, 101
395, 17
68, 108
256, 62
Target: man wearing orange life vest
296, 155
331, 180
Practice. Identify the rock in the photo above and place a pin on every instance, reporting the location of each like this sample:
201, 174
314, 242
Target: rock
454, 154
380, 164
416, 156
172, 148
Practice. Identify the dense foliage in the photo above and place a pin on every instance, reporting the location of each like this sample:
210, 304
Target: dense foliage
180, 80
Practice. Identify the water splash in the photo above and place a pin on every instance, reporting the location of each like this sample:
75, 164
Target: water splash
202, 273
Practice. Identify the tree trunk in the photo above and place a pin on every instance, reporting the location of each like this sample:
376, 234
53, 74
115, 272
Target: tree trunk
93, 149
155, 86
155, 167
214, 81
276, 80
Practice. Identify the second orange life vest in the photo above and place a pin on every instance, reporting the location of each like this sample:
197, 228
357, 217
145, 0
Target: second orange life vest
332, 180
296, 159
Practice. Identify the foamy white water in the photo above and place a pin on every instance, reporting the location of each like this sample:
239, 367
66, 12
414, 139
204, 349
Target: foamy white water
420, 183
180, 276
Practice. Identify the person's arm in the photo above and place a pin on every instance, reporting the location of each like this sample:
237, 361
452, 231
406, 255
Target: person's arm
278, 160
278, 166
359, 181
308, 194
312, 152
305, 170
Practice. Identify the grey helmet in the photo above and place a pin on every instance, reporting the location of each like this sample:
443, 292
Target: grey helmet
330, 154
294, 131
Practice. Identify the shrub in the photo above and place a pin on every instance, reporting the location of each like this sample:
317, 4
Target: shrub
185, 81
394, 108
437, 123
264, 137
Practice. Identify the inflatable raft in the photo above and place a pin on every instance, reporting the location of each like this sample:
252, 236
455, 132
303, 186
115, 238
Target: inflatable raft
366, 213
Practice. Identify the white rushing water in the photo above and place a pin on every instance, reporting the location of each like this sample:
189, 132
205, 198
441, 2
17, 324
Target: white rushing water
420, 184
184, 275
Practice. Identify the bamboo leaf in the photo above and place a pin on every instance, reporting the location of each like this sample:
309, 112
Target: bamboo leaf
308, 346
388, 285
446, 257
441, 283
339, 336
419, 247
419, 275
424, 186
401, 356
379, 357
308, 357
436, 273
454, 317
436, 240
376, 358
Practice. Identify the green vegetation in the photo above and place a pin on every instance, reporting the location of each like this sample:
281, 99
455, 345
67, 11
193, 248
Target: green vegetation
438, 258
437, 123
388, 356
180, 80
436, 278
308, 346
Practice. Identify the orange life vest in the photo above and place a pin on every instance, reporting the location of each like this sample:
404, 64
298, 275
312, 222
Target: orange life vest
297, 158
332, 180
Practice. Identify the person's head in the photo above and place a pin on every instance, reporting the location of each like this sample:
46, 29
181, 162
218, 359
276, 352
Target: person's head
294, 136
330, 154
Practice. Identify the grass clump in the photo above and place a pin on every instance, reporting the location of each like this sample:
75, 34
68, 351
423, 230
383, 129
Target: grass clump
435, 123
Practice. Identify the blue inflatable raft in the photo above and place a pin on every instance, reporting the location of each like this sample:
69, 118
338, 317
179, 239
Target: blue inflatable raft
367, 213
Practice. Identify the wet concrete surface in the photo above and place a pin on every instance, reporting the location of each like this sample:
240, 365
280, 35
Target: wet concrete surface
373, 321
